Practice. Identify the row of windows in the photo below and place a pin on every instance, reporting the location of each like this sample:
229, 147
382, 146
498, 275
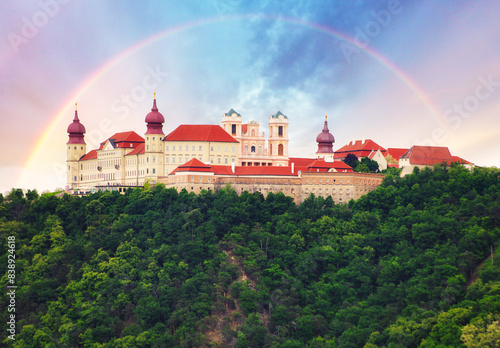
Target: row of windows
328, 180
192, 179
356, 182
326, 190
200, 148
110, 163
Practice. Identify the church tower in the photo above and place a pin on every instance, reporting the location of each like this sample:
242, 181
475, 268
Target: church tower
231, 122
153, 147
278, 139
76, 149
325, 142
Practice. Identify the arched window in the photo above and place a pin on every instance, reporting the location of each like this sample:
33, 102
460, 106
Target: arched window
280, 150
253, 132
252, 149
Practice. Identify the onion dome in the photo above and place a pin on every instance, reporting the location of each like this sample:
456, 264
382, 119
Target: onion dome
155, 120
76, 130
325, 140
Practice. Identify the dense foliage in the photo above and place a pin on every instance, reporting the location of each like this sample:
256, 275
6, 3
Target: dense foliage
366, 165
407, 265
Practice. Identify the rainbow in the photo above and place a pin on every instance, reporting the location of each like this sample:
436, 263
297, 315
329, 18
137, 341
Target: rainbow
66, 109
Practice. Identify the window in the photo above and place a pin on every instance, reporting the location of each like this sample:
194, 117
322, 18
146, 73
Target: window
218, 160
180, 148
246, 149
147, 170
173, 147
218, 148
252, 149
200, 148
280, 131
167, 159
147, 159
253, 132
75, 177
154, 159
225, 149
211, 148
280, 150
166, 148
233, 149
211, 160
154, 170
225, 160
173, 159
193, 147
153, 138
233, 129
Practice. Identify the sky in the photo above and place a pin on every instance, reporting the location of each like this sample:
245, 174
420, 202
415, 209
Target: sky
401, 73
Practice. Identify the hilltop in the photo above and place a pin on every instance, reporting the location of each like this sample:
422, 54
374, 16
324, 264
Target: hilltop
158, 267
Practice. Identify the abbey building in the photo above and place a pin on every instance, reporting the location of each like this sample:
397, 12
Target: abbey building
208, 157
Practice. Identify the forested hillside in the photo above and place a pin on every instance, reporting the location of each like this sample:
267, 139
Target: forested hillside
408, 265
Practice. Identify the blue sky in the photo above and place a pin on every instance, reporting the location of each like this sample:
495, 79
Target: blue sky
257, 57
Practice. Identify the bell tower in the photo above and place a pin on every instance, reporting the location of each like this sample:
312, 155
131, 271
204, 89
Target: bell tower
278, 139
76, 149
325, 142
153, 147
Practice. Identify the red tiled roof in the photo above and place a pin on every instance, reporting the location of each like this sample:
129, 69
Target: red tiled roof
193, 165
91, 155
124, 139
137, 151
396, 153
200, 132
460, 160
372, 154
393, 165
311, 164
359, 148
300, 162
428, 155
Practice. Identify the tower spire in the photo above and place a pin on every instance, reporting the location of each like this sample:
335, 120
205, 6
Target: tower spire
325, 140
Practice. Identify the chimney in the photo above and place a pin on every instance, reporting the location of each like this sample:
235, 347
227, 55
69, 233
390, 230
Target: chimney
293, 167
363, 141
